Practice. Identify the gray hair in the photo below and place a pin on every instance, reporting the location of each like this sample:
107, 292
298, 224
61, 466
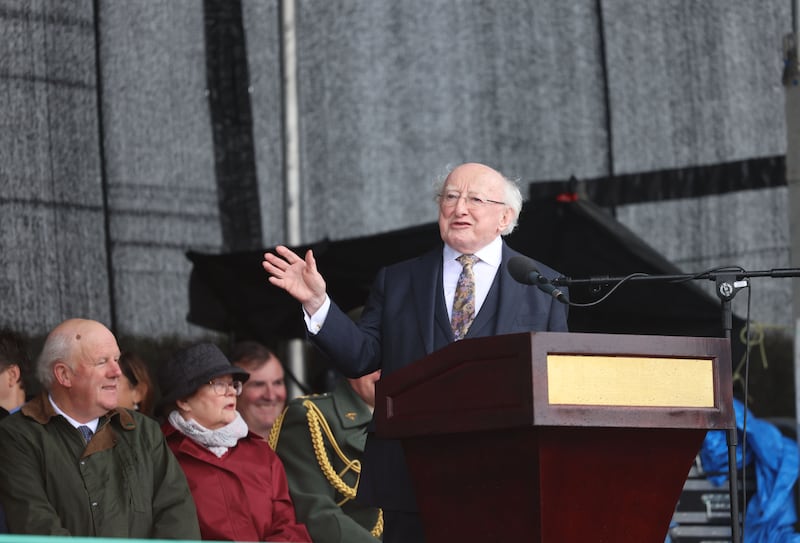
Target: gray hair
513, 196
514, 201
57, 348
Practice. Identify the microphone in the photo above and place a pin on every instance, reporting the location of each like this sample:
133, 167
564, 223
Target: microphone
524, 271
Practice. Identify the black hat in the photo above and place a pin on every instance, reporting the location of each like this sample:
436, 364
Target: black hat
193, 367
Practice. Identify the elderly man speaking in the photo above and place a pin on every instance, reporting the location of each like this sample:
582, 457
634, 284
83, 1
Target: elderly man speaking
76, 464
459, 290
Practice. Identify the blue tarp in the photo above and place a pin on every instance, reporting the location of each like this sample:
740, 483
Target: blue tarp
771, 512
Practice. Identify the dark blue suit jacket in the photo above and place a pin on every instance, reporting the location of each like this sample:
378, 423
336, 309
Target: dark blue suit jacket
404, 319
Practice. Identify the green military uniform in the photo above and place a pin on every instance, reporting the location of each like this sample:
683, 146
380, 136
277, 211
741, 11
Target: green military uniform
320, 440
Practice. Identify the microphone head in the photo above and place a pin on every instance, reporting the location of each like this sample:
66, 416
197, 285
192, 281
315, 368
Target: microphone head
524, 271
520, 268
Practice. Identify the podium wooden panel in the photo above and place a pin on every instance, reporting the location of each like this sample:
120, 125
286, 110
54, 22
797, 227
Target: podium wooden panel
555, 437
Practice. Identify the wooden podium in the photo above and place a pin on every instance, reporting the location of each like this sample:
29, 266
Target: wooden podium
555, 437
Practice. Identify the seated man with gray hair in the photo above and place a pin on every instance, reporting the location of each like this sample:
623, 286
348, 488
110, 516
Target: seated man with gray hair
75, 464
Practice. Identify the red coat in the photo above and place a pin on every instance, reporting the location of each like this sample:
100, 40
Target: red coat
242, 496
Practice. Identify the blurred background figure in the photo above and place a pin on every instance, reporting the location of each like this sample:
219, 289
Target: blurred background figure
16, 379
135, 384
238, 482
264, 396
321, 439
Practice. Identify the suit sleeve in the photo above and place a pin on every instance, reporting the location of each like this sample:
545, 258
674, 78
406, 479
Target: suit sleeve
354, 349
314, 498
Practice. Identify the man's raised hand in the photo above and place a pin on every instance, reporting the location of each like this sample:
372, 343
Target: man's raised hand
299, 277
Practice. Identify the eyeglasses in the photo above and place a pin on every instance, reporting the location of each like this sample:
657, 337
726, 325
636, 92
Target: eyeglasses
450, 199
221, 387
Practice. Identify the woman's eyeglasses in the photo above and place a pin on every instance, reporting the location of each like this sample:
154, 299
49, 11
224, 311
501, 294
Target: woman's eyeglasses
221, 387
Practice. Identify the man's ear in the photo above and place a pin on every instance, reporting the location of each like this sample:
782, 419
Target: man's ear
63, 374
506, 218
13, 375
183, 405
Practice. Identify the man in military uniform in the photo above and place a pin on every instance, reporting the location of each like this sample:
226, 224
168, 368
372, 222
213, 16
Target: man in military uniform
320, 440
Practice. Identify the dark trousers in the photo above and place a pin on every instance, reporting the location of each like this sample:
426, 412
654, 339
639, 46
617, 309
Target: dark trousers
402, 527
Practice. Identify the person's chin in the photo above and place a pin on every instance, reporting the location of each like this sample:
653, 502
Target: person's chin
267, 423
109, 399
267, 410
460, 238
108, 406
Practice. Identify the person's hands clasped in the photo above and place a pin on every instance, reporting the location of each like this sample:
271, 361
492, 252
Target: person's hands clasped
299, 277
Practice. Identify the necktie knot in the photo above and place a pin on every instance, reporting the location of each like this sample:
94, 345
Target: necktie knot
86, 432
464, 298
467, 261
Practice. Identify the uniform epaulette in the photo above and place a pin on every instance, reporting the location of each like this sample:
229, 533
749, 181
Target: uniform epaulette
313, 396
317, 425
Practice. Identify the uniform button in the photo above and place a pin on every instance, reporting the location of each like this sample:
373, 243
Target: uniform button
94, 504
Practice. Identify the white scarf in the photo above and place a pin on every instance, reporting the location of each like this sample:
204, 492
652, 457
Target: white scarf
217, 441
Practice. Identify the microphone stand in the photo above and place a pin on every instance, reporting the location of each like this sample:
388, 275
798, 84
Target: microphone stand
728, 282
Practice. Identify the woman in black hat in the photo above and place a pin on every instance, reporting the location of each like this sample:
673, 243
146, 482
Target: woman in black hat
237, 482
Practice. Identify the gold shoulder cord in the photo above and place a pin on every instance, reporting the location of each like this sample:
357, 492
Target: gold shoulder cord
275, 431
316, 425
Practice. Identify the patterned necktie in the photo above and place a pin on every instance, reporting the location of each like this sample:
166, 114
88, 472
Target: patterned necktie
86, 432
464, 299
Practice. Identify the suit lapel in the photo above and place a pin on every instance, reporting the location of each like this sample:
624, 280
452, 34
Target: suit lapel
484, 322
511, 292
352, 412
427, 291
424, 281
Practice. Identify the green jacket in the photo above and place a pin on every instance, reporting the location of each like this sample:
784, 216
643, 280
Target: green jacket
325, 502
124, 483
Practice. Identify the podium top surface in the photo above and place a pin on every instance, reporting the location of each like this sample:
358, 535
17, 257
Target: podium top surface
560, 379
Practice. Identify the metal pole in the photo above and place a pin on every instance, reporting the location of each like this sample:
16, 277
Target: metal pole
791, 84
295, 352
109, 241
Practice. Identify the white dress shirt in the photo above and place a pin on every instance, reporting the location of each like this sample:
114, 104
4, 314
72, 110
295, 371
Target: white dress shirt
485, 269
92, 424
